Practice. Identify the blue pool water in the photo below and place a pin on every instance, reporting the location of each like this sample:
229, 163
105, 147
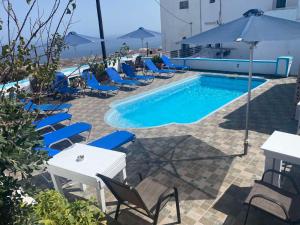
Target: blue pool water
183, 102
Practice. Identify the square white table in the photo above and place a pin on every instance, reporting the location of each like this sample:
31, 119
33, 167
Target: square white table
96, 160
279, 147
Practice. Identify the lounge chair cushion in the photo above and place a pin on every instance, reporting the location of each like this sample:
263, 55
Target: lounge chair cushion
52, 120
151, 66
65, 133
113, 140
47, 107
93, 83
127, 69
171, 65
290, 201
116, 78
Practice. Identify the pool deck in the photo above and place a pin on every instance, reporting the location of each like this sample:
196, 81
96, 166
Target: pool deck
201, 159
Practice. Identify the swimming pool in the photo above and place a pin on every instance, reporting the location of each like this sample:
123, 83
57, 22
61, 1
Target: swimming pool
21, 83
74, 70
183, 102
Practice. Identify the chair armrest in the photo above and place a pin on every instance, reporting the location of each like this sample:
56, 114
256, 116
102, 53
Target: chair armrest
269, 200
282, 174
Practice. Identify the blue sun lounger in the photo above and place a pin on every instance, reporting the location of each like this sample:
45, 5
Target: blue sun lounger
150, 65
129, 72
111, 141
93, 84
30, 106
65, 133
115, 77
61, 85
52, 120
171, 65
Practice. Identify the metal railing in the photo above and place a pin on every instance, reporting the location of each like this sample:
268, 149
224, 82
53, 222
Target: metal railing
200, 51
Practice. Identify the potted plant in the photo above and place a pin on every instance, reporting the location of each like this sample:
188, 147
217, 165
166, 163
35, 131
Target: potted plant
157, 61
98, 69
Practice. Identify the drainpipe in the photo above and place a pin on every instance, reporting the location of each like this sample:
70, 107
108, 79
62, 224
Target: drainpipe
220, 13
191, 28
298, 11
201, 16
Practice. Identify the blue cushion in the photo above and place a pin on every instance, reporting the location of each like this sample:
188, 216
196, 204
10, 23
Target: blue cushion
52, 120
113, 140
66, 132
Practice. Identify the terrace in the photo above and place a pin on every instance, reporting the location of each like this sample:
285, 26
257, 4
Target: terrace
202, 159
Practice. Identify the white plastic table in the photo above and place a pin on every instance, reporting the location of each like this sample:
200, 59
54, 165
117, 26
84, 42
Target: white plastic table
96, 160
280, 147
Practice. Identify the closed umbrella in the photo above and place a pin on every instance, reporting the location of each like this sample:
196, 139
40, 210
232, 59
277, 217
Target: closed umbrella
141, 33
252, 28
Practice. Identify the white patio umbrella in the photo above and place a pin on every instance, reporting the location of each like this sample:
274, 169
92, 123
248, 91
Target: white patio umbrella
252, 28
141, 33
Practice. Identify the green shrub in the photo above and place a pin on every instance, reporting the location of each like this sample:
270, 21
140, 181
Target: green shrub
98, 69
53, 209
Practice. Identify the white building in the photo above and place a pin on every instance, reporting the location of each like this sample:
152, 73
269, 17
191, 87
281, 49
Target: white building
184, 18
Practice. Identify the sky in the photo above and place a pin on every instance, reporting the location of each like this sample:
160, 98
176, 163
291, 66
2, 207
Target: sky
119, 16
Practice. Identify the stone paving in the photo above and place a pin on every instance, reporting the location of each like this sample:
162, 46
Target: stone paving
201, 159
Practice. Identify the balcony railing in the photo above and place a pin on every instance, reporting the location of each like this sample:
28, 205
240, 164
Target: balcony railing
200, 51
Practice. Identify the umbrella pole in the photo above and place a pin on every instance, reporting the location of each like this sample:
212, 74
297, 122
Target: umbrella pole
246, 141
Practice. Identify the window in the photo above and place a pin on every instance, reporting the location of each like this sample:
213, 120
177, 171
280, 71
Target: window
183, 4
280, 4
212, 1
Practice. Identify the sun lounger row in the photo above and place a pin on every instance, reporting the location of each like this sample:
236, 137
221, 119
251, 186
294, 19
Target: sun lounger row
61, 85
110, 141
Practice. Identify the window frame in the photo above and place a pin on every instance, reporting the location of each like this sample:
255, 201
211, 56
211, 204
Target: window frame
184, 4
280, 4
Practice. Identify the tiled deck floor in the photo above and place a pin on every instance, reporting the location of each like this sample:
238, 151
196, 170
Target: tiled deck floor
201, 159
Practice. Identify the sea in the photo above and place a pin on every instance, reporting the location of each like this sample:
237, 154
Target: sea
112, 44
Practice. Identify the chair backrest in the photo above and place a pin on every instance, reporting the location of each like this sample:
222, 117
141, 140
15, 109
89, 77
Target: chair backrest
29, 106
61, 84
123, 192
166, 60
150, 65
90, 79
127, 69
113, 74
61, 80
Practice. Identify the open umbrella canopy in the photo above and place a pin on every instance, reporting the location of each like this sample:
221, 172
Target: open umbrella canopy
254, 26
140, 33
74, 39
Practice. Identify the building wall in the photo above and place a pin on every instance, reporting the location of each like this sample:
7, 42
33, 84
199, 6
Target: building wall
205, 16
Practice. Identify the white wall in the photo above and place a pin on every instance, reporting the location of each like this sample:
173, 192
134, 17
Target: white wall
173, 30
